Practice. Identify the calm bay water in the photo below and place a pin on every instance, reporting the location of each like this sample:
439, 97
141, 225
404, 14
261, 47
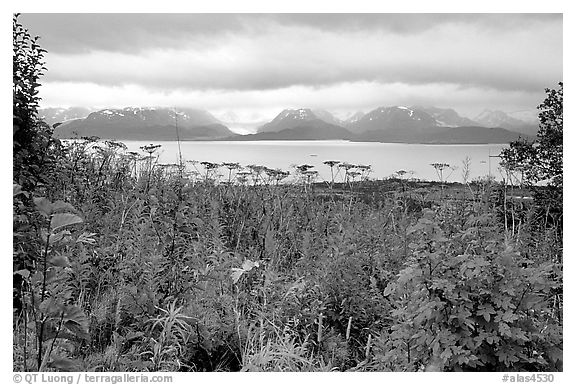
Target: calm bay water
385, 158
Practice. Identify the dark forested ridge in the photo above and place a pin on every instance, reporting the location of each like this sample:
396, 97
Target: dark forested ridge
121, 263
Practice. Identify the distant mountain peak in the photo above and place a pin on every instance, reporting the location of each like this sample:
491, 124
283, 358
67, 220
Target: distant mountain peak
292, 118
300, 113
409, 110
157, 123
526, 116
53, 115
527, 124
497, 118
305, 122
404, 118
393, 118
447, 117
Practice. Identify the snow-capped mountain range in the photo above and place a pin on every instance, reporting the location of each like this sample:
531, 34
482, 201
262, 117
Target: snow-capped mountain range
397, 123
385, 124
401, 117
521, 121
60, 115
447, 117
144, 123
398, 118
302, 117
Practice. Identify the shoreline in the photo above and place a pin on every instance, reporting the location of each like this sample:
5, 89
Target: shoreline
228, 141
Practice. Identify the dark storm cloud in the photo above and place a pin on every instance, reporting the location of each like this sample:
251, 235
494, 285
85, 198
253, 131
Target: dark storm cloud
411, 23
290, 54
80, 33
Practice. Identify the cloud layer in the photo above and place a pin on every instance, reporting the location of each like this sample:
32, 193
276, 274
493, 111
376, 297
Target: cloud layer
335, 60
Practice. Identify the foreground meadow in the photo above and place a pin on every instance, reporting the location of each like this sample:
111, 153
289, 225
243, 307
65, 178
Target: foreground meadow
123, 264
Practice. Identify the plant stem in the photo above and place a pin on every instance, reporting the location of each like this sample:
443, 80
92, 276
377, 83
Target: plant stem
42, 296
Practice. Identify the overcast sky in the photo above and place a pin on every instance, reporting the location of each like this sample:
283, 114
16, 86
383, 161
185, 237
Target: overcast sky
253, 66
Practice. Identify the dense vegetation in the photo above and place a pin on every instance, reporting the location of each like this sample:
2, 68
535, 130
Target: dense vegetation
123, 264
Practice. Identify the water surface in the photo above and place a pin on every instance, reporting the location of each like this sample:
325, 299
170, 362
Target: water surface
385, 158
